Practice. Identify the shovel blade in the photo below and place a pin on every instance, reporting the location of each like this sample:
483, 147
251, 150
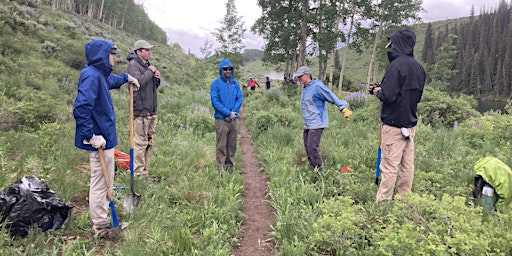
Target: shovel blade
131, 201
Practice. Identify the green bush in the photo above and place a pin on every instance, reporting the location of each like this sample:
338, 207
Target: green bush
439, 109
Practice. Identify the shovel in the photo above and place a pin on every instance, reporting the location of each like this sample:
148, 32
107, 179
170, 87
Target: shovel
115, 221
131, 200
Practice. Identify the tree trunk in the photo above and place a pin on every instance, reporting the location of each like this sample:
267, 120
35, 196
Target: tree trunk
374, 53
303, 33
345, 55
100, 15
333, 53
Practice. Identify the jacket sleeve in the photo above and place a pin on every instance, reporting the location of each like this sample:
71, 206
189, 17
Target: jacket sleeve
116, 81
390, 85
238, 98
141, 73
215, 98
330, 97
88, 90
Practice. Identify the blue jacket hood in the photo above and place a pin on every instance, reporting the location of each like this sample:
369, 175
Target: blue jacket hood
226, 63
97, 54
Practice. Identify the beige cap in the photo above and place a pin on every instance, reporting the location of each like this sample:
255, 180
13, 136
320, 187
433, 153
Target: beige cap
142, 44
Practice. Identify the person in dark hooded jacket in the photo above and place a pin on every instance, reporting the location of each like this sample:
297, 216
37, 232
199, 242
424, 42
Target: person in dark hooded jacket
144, 106
226, 98
400, 92
96, 125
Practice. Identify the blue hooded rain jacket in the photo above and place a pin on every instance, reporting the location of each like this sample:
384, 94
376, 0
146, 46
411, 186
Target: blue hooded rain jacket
226, 96
93, 109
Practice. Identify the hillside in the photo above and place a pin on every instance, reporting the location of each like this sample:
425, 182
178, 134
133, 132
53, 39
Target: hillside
46, 54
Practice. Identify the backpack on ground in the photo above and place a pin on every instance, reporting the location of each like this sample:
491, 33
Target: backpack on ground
492, 184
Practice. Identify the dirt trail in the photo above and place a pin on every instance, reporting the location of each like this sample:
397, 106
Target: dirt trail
257, 210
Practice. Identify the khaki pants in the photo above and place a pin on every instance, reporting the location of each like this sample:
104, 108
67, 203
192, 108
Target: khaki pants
397, 158
227, 133
98, 199
144, 132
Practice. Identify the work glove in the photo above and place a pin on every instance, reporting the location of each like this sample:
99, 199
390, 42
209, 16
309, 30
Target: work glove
346, 113
134, 82
96, 141
233, 115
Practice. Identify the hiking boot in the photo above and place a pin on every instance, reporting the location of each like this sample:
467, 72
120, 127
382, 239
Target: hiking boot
105, 233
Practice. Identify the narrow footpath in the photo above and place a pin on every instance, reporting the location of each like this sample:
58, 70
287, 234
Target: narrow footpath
256, 208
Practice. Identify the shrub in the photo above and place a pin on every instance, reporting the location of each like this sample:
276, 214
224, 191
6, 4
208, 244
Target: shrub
439, 109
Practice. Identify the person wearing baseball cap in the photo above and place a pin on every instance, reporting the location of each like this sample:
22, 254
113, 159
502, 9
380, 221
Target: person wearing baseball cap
314, 112
400, 91
144, 106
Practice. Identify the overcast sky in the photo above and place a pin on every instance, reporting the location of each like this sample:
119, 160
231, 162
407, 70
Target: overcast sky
190, 22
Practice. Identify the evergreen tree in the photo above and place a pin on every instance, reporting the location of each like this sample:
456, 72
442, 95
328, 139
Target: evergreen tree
427, 54
230, 35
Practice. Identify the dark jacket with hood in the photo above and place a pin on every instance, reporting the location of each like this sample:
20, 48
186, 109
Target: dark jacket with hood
225, 95
144, 99
403, 83
93, 109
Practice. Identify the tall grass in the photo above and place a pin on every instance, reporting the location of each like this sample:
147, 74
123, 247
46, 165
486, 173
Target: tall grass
335, 213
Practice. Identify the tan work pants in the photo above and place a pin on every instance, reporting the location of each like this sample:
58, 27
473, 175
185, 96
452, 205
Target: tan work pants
227, 134
397, 158
98, 198
144, 134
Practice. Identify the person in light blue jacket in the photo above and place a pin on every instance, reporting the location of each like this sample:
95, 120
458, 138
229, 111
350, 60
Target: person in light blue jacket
314, 112
226, 97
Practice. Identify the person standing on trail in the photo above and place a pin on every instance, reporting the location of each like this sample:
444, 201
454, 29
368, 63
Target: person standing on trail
400, 91
144, 106
251, 83
314, 112
96, 125
226, 98
267, 83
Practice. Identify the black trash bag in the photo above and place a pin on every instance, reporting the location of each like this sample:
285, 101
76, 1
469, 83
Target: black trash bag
28, 203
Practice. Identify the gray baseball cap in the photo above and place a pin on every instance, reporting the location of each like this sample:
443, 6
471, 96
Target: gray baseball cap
301, 71
142, 44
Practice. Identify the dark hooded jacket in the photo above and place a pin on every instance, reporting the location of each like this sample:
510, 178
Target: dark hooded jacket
403, 83
93, 108
225, 95
144, 99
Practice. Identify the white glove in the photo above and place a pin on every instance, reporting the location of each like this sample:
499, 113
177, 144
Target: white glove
133, 81
96, 141
233, 115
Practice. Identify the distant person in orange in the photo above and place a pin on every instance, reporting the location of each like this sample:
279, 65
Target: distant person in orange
252, 83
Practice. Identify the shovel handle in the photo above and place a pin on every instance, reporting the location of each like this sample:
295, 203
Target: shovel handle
105, 173
131, 115
115, 221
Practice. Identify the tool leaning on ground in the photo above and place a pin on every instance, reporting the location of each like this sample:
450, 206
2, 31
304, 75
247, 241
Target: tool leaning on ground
131, 200
377, 164
371, 88
115, 222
